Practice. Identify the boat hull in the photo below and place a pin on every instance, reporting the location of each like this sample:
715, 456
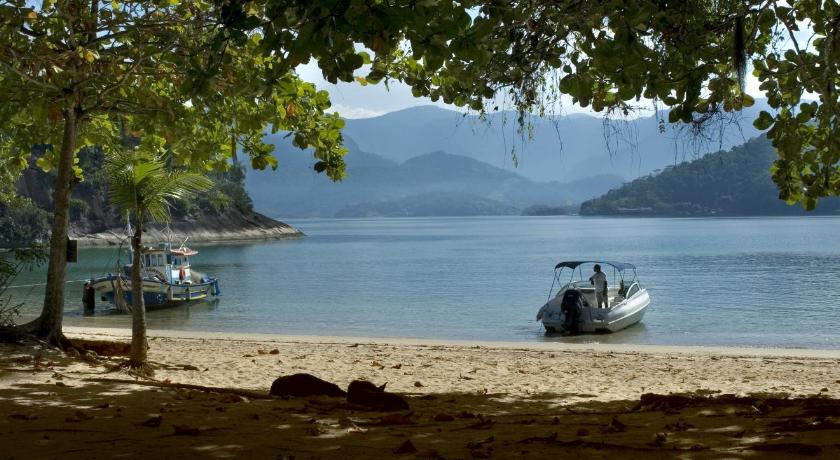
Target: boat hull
156, 293
593, 319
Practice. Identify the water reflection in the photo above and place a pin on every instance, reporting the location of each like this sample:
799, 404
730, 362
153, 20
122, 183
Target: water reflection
175, 317
637, 333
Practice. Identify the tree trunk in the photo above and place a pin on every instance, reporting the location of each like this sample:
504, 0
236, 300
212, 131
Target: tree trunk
48, 324
138, 306
233, 154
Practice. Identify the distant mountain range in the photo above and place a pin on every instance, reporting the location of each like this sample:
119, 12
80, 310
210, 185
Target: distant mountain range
566, 148
427, 161
432, 184
732, 183
443, 204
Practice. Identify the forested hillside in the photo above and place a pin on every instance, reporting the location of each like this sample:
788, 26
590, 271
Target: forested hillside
226, 206
731, 183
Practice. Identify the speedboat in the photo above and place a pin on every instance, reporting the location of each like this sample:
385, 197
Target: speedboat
168, 280
574, 310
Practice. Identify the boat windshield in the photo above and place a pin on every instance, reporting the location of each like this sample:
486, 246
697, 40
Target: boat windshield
575, 274
582, 271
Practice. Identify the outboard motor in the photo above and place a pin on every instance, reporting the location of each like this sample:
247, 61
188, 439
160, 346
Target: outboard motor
89, 298
572, 307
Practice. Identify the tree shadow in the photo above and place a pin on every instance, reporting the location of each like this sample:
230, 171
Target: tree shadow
75, 418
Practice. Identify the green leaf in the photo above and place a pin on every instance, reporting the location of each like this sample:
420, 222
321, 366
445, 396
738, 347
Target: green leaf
747, 100
90, 55
673, 116
44, 163
764, 121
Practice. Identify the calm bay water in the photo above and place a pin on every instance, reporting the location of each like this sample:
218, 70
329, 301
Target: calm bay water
751, 282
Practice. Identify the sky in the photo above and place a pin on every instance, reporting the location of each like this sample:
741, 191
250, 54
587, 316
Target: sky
352, 100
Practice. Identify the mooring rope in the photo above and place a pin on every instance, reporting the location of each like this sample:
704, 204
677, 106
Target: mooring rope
44, 284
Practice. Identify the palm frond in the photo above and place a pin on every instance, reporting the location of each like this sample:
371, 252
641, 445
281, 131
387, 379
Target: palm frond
145, 187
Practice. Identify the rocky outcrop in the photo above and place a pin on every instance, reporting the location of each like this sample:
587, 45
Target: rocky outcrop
232, 226
222, 214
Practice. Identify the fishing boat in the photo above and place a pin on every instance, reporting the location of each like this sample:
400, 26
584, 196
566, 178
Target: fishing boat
168, 280
574, 310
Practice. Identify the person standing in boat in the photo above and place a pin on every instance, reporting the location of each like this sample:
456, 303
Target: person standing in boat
599, 280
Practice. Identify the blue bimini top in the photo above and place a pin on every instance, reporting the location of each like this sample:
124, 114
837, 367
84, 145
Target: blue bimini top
573, 264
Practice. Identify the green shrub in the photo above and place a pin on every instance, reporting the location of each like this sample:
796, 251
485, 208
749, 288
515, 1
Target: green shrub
22, 224
78, 208
13, 262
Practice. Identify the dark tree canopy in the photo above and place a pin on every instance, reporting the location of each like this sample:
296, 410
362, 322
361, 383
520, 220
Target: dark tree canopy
689, 56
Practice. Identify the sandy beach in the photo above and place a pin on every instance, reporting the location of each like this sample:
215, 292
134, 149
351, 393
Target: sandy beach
468, 400
577, 372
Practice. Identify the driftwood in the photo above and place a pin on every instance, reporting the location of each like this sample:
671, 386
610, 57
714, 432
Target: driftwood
185, 386
28, 371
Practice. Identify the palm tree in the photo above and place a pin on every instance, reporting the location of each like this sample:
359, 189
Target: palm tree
143, 186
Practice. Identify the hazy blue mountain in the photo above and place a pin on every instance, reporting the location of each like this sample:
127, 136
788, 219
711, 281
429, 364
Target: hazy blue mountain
431, 204
544, 210
567, 148
728, 183
378, 186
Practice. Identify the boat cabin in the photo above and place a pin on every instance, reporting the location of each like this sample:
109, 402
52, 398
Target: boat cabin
615, 294
167, 264
618, 288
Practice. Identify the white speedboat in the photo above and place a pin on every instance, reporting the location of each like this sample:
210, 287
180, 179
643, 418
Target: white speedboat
574, 310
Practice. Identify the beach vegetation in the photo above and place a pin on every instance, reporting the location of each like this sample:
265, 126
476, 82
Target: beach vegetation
77, 75
12, 263
144, 187
23, 223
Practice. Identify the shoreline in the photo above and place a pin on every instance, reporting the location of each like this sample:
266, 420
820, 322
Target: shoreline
111, 239
235, 228
123, 333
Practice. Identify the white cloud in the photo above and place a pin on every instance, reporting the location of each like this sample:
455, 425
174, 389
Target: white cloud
352, 100
377, 99
355, 112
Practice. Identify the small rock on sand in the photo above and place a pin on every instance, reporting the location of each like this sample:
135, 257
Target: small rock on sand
299, 385
405, 448
366, 394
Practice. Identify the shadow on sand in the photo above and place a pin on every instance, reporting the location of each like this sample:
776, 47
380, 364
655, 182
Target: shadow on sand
87, 417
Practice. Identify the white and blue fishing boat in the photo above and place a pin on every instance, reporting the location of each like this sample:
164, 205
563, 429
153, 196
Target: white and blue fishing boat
168, 280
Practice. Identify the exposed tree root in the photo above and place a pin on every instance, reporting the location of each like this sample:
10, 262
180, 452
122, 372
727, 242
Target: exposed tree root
103, 347
11, 335
35, 330
186, 386
58, 339
141, 370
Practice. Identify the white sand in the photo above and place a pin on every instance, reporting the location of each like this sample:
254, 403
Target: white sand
602, 372
473, 400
